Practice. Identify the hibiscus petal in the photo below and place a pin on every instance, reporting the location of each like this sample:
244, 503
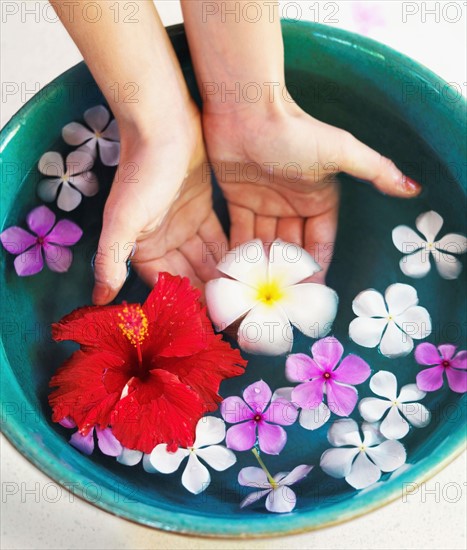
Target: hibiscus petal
459, 361
427, 354
209, 431
341, 399
228, 300
453, 243
257, 395
449, 267
416, 265
111, 132
312, 419
241, 437
344, 432
406, 240
415, 321
352, 370
384, 383
363, 473
281, 412
281, 500
271, 438
372, 409
409, 393
300, 367
309, 394
108, 443
457, 380
416, 413
430, 379
367, 332
16, 240
399, 297
338, 462
76, 134
289, 263
29, 262
40, 220
247, 263
394, 426
327, 352
253, 497
65, 233
265, 331
311, 308
129, 457
84, 443
51, 164
97, 117
369, 303
388, 456
78, 162
166, 462
218, 457
68, 198
196, 477
429, 224
109, 152
47, 189
57, 258
395, 342
252, 476
86, 183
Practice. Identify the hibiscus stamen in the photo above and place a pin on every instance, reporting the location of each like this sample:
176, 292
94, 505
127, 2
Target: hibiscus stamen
271, 480
134, 326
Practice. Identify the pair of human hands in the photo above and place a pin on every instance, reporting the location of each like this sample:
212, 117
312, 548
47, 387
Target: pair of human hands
277, 174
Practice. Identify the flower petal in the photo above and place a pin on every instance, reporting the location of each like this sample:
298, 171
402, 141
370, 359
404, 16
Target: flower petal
271, 438
166, 462
218, 457
394, 426
289, 263
86, 183
296, 475
252, 476
147, 466
406, 240
388, 456
84, 443
384, 383
281, 500
341, 399
447, 351
109, 152
68, 198
363, 473
228, 300
427, 354
265, 331
410, 393
430, 379
415, 321
196, 477
369, 303
40, 220
460, 360
108, 443
257, 396
338, 462
352, 370
311, 308
453, 243
282, 412
78, 162
97, 117
241, 437
47, 189
367, 332
76, 134
247, 263
309, 394
416, 413
344, 432
395, 342
65, 233
429, 224
416, 265
284, 393
449, 267
16, 240
253, 497
29, 262
327, 352
209, 431
57, 258
51, 164
129, 457
111, 132
371, 434
457, 380
372, 409
312, 419
399, 297
300, 367
234, 410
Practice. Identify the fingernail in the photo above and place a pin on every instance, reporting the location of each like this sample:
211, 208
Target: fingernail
410, 186
100, 294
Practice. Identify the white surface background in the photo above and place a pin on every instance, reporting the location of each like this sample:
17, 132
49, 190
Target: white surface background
34, 50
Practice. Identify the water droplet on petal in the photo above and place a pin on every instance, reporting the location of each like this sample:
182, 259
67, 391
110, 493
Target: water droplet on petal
257, 390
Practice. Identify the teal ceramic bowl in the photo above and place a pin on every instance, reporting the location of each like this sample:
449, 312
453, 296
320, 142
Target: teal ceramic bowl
387, 101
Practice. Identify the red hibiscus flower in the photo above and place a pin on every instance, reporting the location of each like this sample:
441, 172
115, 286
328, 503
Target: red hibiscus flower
150, 372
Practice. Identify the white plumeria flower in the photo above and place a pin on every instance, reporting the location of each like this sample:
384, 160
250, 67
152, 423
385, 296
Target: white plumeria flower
360, 461
402, 408
132, 457
102, 135
280, 497
196, 478
265, 289
67, 184
310, 419
416, 263
391, 322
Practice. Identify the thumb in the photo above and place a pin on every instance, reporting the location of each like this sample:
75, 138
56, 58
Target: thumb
360, 161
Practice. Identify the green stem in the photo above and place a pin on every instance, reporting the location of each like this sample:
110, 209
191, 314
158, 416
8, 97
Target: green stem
263, 467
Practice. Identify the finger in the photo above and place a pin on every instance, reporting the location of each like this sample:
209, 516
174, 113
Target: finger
242, 225
290, 230
213, 236
320, 237
266, 228
200, 257
359, 160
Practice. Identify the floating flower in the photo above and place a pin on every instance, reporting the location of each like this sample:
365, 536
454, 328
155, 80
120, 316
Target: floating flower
100, 135
402, 407
418, 251
310, 419
265, 289
131, 457
255, 417
67, 185
442, 361
359, 461
391, 324
149, 372
49, 241
280, 497
318, 376
196, 478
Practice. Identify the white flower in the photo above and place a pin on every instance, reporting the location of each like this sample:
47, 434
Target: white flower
196, 477
402, 408
359, 461
131, 457
416, 263
310, 419
392, 321
265, 289
280, 497
102, 135
67, 185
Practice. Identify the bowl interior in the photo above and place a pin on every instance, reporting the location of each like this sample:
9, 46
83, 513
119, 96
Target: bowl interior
344, 80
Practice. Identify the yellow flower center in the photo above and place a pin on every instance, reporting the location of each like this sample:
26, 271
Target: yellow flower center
134, 324
269, 293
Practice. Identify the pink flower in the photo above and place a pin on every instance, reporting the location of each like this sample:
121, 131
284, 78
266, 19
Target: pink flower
255, 419
106, 441
444, 361
319, 375
47, 240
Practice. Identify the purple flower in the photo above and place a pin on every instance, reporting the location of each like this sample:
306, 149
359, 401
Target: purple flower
319, 375
106, 441
443, 361
255, 419
48, 241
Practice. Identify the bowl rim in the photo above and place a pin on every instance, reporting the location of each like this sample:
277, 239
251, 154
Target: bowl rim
247, 526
